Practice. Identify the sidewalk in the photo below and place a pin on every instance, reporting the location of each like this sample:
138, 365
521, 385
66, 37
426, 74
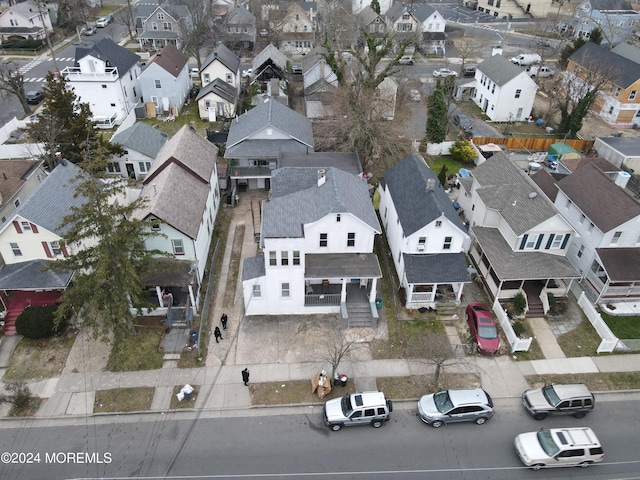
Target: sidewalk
277, 351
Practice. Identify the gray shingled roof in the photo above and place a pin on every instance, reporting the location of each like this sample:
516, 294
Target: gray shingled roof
33, 275
506, 188
52, 200
546, 183
253, 267
510, 265
621, 264
224, 56
437, 268
617, 69
500, 70
145, 10
270, 52
627, 51
627, 146
609, 208
417, 207
110, 52
296, 199
141, 138
269, 114
221, 89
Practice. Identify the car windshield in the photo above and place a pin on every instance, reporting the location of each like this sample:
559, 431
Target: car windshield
346, 405
546, 442
488, 332
442, 401
550, 395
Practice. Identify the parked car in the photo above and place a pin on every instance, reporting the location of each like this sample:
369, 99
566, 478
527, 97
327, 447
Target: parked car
366, 408
406, 60
569, 399
104, 21
461, 405
90, 31
263, 32
34, 97
540, 71
415, 95
296, 69
483, 328
462, 121
247, 73
559, 447
444, 72
194, 72
469, 71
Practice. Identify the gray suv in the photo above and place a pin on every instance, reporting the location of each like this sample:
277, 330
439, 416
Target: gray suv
569, 399
462, 405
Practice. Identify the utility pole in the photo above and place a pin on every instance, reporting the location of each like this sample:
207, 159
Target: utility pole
46, 34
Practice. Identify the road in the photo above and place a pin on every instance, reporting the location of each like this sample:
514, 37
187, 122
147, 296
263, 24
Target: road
299, 446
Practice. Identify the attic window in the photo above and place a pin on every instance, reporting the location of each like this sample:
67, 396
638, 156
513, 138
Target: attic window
337, 217
269, 131
438, 223
155, 225
104, 86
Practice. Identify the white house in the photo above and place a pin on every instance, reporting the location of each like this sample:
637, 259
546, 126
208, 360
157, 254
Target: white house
426, 237
217, 100
165, 81
520, 240
106, 77
183, 199
606, 250
420, 24
504, 91
222, 63
317, 237
26, 20
141, 144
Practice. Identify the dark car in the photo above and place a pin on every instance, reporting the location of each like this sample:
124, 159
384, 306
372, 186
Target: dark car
483, 328
469, 71
462, 121
34, 97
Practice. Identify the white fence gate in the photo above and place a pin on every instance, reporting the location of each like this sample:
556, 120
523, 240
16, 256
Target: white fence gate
517, 344
609, 340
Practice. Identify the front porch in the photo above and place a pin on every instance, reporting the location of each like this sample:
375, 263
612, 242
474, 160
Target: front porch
614, 276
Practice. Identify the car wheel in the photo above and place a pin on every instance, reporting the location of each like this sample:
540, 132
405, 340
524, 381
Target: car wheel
437, 424
540, 416
480, 420
376, 423
580, 414
585, 464
335, 427
537, 466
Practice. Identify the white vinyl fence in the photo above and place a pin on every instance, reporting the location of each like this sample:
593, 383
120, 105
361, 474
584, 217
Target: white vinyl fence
609, 340
517, 344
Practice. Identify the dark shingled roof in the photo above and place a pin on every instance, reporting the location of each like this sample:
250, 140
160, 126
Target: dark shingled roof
171, 59
224, 56
141, 138
33, 275
547, 184
417, 207
599, 198
220, 88
617, 69
621, 264
110, 52
437, 268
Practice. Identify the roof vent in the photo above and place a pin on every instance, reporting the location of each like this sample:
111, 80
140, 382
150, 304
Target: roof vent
321, 176
431, 184
533, 195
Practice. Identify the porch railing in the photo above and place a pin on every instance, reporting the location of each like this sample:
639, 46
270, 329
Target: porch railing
323, 299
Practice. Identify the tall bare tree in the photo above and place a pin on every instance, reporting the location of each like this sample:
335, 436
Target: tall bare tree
12, 83
202, 32
466, 49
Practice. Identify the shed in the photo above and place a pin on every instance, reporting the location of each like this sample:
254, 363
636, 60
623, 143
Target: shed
561, 151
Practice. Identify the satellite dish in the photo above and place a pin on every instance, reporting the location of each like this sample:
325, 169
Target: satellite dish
533, 195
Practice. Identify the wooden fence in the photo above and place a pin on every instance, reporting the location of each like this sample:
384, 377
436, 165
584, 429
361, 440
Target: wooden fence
533, 144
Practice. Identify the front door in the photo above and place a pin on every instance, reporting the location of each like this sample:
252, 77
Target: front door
131, 171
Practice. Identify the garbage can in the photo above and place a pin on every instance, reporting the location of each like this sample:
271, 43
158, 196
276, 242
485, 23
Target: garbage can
378, 303
343, 380
193, 337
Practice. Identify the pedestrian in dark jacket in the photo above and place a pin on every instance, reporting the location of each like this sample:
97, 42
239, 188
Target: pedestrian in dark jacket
218, 334
223, 321
245, 376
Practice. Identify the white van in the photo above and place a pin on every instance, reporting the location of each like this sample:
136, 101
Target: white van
525, 59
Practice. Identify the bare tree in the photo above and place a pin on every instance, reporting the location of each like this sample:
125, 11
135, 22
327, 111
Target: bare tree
335, 17
202, 32
466, 48
12, 83
126, 18
337, 345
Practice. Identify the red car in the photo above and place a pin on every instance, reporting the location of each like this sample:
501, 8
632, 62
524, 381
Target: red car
483, 328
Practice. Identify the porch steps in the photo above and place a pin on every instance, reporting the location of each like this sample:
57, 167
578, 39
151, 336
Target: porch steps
359, 315
10, 323
535, 310
448, 312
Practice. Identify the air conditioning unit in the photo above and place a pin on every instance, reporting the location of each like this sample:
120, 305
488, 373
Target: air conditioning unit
421, 247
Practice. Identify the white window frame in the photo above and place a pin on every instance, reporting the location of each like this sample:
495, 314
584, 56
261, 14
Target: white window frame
531, 241
285, 290
178, 246
15, 248
557, 241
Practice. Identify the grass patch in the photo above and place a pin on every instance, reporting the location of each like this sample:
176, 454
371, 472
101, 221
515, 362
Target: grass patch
184, 403
189, 114
293, 392
623, 327
28, 411
597, 382
417, 385
35, 359
581, 342
123, 399
534, 352
137, 352
453, 166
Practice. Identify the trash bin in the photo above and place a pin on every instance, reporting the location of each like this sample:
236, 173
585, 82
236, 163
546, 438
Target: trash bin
188, 396
378, 303
343, 380
193, 337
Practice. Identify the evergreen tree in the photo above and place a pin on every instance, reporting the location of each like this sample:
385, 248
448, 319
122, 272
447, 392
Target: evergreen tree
64, 124
112, 259
436, 116
442, 176
375, 5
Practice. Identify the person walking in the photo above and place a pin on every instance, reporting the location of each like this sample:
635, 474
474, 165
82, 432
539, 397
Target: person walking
218, 334
245, 376
223, 321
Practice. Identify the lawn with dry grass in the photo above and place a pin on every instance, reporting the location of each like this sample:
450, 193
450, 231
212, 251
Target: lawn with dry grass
581, 342
293, 392
534, 352
36, 359
137, 352
28, 411
415, 386
185, 403
123, 400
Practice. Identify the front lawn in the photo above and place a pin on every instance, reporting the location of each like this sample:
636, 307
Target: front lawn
623, 327
137, 352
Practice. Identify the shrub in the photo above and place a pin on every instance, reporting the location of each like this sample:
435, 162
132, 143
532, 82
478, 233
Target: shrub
463, 151
519, 303
519, 329
18, 394
552, 299
38, 322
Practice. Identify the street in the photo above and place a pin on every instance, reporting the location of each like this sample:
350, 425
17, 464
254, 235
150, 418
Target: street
188, 445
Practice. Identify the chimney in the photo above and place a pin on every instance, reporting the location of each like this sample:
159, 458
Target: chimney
622, 178
155, 190
321, 177
431, 184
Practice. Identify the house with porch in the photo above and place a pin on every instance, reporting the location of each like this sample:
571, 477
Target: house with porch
258, 137
183, 198
159, 24
30, 238
141, 144
606, 250
427, 239
520, 241
241, 28
317, 239
105, 76
421, 24
295, 28
25, 20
